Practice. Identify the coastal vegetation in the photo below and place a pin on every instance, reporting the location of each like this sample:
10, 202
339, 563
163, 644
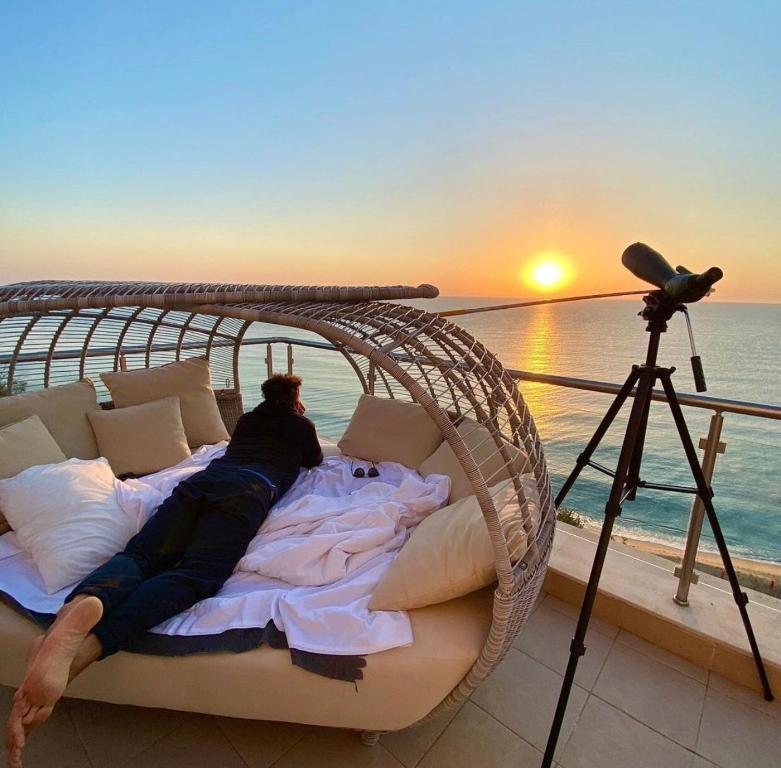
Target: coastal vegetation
570, 516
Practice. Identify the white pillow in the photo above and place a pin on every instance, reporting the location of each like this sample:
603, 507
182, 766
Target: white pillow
66, 517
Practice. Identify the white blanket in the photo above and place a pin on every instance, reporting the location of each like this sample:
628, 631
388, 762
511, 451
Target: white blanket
311, 569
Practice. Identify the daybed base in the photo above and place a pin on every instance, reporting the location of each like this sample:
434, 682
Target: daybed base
400, 686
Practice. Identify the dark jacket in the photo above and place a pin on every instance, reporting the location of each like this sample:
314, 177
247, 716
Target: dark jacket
275, 441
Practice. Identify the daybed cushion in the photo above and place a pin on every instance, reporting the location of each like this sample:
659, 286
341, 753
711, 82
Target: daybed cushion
486, 454
27, 443
66, 517
190, 380
383, 429
450, 554
63, 410
141, 439
399, 686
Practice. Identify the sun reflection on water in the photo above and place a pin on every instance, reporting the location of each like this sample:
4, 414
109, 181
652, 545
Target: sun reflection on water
536, 351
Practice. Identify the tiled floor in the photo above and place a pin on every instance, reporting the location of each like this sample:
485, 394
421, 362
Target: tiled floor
633, 706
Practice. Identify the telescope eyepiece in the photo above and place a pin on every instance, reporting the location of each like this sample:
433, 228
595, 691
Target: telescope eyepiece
714, 274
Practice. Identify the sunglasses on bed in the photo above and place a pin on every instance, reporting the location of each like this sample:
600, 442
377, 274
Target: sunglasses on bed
361, 472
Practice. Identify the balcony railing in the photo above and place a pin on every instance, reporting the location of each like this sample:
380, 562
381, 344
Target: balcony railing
712, 446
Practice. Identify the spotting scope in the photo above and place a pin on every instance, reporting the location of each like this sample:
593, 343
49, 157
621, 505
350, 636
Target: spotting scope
679, 284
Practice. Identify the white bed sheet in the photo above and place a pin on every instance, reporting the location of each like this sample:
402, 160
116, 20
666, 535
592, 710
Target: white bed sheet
311, 569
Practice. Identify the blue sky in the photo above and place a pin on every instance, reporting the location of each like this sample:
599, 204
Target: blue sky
378, 141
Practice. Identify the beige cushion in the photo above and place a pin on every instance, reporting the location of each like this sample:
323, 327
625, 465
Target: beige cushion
141, 439
63, 410
390, 430
189, 380
450, 554
27, 443
24, 444
483, 448
399, 686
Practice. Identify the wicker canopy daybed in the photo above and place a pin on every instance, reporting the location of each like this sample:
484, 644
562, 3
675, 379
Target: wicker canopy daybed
57, 332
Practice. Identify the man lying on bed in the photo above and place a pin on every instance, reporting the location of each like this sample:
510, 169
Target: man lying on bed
184, 553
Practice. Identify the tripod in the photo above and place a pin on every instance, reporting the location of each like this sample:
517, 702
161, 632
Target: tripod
626, 481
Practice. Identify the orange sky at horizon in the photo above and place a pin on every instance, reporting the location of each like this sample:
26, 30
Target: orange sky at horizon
473, 244
469, 268
589, 276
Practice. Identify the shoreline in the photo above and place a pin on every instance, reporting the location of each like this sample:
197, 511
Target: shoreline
758, 568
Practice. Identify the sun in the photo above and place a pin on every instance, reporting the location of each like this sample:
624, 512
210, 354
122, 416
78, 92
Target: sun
547, 274
546, 271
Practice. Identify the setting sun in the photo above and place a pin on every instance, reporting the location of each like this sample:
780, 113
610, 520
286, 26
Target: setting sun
546, 271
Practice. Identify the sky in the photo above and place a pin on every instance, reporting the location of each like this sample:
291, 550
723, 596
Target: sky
390, 142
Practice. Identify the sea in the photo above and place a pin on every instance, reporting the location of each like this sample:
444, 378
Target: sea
740, 346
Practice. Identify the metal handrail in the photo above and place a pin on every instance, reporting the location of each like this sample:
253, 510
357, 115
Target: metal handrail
717, 404
712, 446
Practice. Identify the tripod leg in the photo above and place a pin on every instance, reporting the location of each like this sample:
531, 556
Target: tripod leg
612, 510
603, 427
633, 476
706, 495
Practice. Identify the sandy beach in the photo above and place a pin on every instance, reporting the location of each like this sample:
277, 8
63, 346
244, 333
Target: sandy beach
759, 568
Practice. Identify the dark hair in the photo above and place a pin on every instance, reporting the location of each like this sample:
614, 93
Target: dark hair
281, 389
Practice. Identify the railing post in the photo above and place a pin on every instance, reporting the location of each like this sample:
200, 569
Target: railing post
290, 359
711, 446
269, 361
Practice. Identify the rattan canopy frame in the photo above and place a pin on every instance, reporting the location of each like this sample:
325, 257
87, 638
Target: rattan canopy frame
55, 332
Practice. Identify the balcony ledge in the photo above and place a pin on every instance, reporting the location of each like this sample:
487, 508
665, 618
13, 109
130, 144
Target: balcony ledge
636, 593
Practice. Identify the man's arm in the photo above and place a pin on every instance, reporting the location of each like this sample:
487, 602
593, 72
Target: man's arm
313, 454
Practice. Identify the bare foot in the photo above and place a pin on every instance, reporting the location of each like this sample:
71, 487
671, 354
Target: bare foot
46, 679
49, 668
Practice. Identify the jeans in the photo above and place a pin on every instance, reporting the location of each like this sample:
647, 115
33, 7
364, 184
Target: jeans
185, 552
